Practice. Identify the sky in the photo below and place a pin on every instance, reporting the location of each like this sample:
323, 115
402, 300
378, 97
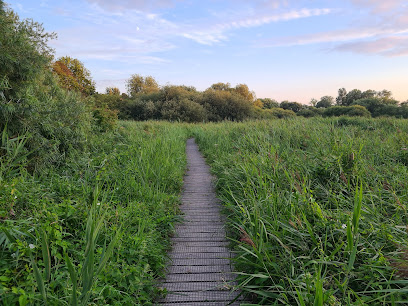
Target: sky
292, 50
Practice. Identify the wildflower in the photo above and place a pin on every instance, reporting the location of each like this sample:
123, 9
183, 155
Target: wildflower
14, 255
32, 246
343, 226
98, 203
15, 197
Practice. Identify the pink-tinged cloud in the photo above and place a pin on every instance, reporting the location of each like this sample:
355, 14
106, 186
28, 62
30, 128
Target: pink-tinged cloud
332, 36
380, 6
141, 5
388, 46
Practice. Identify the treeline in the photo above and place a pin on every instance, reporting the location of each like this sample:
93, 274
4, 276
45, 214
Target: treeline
147, 100
369, 103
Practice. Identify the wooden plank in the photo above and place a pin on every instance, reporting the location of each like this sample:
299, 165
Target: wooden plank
199, 261
189, 255
199, 286
199, 269
207, 277
205, 296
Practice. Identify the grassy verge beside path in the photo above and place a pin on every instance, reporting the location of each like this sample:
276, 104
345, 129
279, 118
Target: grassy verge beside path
94, 230
318, 208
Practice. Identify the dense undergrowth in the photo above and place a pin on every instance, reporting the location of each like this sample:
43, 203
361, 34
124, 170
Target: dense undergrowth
90, 230
317, 208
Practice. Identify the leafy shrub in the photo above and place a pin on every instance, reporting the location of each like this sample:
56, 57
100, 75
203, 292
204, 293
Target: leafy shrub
183, 110
352, 111
225, 105
56, 120
310, 112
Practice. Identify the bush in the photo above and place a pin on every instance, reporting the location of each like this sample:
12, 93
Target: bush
352, 111
184, 110
56, 120
310, 112
226, 105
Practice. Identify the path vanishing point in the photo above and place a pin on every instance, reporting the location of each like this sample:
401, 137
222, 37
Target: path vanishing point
200, 268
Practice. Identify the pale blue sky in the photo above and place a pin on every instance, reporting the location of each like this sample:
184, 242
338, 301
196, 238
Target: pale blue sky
282, 49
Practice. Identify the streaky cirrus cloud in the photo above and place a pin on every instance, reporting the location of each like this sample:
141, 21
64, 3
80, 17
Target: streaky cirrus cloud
388, 46
141, 5
217, 33
380, 6
384, 22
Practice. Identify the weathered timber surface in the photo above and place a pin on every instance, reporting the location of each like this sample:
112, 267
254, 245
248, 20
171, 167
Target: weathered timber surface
200, 271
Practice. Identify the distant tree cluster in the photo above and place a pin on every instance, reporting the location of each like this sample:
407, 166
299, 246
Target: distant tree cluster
369, 103
145, 100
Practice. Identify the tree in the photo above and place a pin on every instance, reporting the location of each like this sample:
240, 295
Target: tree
258, 103
325, 102
221, 86
313, 102
73, 75
113, 91
368, 94
138, 84
24, 53
352, 96
243, 90
2, 8
293, 106
342, 93
269, 103
225, 105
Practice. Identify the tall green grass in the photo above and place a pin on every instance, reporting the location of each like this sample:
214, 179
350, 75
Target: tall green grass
93, 230
317, 208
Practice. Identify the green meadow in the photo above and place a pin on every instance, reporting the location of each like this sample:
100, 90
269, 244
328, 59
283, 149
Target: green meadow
317, 212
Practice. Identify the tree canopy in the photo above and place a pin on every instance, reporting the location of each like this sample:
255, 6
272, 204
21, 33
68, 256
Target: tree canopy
138, 84
24, 52
73, 75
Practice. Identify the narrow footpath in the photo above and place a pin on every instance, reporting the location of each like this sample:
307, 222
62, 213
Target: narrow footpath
200, 269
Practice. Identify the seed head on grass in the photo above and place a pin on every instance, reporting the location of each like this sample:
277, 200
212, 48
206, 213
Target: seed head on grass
245, 238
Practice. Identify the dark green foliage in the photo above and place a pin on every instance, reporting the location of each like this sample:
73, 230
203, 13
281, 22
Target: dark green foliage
55, 120
352, 111
378, 106
325, 102
184, 110
269, 103
293, 106
31, 101
273, 113
24, 52
310, 112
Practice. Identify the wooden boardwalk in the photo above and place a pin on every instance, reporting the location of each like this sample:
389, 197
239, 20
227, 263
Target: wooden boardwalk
200, 269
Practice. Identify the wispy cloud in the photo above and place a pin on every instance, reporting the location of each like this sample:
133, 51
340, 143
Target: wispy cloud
125, 5
387, 46
333, 36
378, 30
219, 32
379, 6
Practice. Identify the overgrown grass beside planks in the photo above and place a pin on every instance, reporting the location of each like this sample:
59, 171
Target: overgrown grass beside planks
94, 230
317, 208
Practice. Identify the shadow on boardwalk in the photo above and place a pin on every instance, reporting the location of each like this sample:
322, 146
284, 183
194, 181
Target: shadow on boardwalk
200, 269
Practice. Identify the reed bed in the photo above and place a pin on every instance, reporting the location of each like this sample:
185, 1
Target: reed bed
317, 208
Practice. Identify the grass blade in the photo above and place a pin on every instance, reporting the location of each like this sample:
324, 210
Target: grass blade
46, 255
